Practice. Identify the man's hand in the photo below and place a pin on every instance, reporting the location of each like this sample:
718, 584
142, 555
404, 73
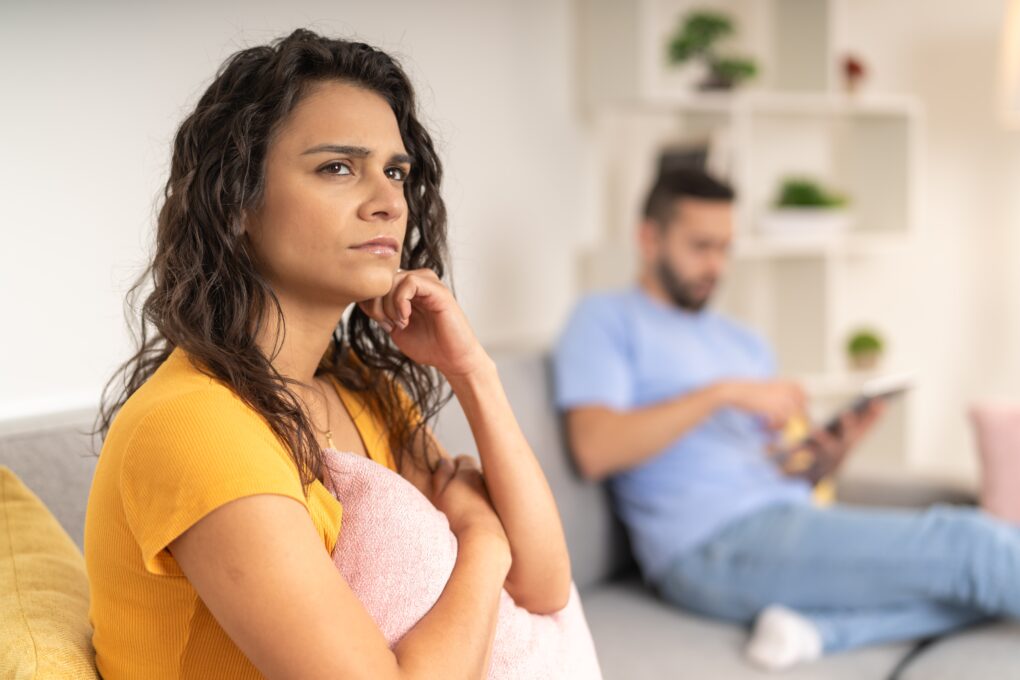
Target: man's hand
776, 401
830, 447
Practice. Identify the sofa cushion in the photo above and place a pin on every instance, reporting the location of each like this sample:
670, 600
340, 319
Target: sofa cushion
986, 652
44, 596
596, 540
57, 463
639, 636
997, 430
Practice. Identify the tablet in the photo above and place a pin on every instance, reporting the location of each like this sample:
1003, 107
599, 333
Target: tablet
884, 387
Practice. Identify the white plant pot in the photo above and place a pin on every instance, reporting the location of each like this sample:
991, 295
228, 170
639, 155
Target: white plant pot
805, 222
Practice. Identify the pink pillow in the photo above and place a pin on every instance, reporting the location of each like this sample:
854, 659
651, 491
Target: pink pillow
397, 552
997, 427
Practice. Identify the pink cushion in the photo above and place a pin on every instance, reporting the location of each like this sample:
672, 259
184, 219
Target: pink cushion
997, 428
397, 552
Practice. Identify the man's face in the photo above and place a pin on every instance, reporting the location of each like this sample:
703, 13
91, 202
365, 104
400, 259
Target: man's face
689, 255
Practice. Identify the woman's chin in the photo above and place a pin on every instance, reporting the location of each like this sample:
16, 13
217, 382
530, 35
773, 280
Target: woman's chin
371, 286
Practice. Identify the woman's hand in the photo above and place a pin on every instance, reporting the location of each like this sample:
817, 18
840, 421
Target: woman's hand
459, 492
427, 324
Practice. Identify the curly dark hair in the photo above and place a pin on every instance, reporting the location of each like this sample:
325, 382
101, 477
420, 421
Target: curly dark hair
208, 297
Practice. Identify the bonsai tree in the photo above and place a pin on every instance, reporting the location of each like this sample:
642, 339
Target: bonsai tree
695, 38
798, 192
864, 348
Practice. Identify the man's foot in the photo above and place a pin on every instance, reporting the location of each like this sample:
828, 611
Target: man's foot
783, 638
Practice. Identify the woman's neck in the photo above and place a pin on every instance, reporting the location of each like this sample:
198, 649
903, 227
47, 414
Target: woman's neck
297, 353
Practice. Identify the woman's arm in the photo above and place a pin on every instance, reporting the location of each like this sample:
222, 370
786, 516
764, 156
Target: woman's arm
426, 323
539, 578
259, 566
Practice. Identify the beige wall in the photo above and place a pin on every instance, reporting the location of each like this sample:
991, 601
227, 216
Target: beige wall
92, 95
966, 322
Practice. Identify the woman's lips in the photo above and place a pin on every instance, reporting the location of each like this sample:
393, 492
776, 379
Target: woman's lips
384, 246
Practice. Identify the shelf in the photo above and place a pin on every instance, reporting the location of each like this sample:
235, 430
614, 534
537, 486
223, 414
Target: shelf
836, 385
848, 245
803, 295
753, 102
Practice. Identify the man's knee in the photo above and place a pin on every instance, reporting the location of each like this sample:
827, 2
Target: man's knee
986, 549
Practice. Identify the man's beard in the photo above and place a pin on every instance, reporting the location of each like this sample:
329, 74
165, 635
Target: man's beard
682, 292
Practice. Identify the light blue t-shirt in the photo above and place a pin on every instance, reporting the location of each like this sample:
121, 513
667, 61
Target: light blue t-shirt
627, 350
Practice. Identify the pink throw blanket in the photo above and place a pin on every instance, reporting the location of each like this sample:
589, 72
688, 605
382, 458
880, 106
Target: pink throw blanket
397, 552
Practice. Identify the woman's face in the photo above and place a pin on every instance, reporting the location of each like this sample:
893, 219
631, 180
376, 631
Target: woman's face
331, 225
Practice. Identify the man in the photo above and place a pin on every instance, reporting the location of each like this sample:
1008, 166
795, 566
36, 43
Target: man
679, 408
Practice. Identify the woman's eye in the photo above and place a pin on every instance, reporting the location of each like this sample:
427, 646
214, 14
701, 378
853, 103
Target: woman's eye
336, 168
398, 174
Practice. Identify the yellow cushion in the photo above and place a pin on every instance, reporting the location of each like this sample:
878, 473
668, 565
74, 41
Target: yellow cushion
44, 594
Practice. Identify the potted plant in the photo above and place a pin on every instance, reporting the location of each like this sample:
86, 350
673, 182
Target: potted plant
695, 38
854, 73
805, 208
864, 349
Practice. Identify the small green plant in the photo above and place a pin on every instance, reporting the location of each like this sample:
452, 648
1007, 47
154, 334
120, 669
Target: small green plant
864, 348
805, 193
695, 37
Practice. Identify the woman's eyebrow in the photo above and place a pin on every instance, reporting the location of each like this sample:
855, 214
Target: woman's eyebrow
356, 151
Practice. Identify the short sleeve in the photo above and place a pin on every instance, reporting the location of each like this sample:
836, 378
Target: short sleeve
761, 352
189, 456
591, 360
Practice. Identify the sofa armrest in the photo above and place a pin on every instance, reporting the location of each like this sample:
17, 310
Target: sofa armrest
902, 490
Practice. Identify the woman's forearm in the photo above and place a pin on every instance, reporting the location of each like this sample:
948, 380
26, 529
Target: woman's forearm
539, 578
454, 640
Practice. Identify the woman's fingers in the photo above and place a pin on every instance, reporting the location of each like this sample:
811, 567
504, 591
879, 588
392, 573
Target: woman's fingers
393, 310
442, 475
398, 301
374, 309
466, 462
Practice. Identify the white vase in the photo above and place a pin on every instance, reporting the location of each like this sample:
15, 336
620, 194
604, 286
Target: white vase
805, 222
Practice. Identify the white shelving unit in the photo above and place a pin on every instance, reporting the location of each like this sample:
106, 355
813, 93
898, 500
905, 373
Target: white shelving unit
804, 294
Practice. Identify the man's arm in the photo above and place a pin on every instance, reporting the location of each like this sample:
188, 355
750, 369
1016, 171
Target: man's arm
605, 440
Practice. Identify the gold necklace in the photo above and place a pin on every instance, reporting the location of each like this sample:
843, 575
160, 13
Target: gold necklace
329, 426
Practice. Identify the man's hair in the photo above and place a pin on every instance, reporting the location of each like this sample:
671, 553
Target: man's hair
676, 184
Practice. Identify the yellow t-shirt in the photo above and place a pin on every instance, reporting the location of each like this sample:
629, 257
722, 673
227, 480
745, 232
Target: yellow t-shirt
182, 445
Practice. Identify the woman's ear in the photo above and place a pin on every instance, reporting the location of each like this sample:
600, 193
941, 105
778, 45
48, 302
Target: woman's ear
247, 224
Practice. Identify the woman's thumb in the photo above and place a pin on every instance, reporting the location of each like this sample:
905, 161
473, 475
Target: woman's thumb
441, 476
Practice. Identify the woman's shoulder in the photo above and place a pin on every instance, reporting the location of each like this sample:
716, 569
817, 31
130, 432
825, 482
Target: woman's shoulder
183, 409
183, 445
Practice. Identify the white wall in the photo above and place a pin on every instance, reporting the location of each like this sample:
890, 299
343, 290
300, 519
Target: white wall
966, 322
92, 95
93, 92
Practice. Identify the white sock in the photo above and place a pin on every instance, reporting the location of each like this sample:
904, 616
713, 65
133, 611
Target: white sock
783, 638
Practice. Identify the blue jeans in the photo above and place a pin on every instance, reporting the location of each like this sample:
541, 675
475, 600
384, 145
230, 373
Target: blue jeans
862, 576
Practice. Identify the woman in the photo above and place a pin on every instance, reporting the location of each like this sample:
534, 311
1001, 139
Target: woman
302, 185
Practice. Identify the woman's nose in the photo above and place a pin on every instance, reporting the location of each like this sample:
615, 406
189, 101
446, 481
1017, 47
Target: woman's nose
385, 200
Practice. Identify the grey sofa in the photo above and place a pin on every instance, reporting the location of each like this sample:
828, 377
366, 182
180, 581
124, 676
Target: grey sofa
637, 637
